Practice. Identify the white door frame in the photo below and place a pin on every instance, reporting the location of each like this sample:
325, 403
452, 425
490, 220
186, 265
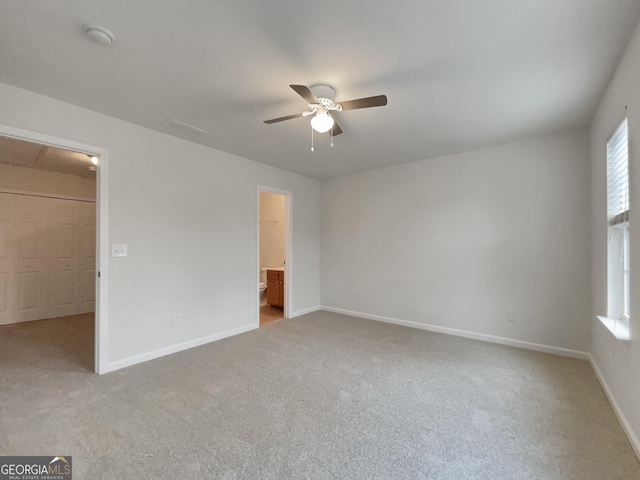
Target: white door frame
288, 214
102, 224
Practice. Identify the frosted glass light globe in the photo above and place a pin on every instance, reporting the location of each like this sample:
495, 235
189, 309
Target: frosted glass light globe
322, 122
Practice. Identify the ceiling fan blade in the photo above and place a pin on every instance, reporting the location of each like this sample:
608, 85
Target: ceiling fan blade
282, 119
336, 128
305, 93
377, 101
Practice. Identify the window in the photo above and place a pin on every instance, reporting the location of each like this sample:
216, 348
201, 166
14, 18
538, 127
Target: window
618, 229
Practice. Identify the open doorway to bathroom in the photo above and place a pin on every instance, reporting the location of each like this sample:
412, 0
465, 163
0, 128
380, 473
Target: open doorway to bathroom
273, 252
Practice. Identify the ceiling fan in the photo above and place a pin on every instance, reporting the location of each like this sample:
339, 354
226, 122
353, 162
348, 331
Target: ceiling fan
320, 99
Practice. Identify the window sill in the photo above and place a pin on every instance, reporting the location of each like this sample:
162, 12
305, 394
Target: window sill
618, 328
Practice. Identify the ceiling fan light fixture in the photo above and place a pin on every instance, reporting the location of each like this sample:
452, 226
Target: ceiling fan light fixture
322, 122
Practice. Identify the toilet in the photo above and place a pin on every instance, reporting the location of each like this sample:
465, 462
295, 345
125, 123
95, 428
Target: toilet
262, 284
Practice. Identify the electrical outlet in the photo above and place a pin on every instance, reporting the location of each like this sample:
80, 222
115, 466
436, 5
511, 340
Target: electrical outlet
358, 295
177, 319
511, 316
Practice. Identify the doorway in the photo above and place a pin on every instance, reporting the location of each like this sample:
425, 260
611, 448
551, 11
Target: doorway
50, 256
274, 266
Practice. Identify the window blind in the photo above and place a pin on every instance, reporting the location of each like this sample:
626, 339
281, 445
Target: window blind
618, 176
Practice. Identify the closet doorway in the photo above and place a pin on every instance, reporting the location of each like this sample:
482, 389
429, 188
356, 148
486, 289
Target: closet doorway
48, 253
274, 266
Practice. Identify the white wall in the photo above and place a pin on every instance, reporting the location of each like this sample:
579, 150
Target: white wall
45, 182
188, 214
272, 230
619, 362
459, 240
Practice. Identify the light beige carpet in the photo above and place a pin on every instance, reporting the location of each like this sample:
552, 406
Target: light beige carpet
323, 396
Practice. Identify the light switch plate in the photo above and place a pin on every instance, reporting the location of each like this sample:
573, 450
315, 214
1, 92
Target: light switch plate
118, 250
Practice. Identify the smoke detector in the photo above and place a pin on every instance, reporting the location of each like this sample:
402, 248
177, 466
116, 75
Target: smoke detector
99, 35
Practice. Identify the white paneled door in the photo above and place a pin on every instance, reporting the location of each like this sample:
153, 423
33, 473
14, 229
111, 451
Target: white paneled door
87, 229
64, 249
47, 257
32, 258
6, 258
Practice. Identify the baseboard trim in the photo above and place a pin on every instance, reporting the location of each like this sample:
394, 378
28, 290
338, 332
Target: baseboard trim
626, 426
565, 352
161, 352
299, 313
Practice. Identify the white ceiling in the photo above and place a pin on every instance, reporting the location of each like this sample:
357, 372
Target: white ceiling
21, 153
459, 74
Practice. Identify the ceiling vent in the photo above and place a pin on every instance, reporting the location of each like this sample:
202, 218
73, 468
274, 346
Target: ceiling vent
182, 127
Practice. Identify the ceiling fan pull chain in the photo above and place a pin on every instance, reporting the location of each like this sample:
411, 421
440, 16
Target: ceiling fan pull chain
331, 135
312, 139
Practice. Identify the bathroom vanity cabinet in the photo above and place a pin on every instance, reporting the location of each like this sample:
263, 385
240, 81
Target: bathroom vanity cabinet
275, 288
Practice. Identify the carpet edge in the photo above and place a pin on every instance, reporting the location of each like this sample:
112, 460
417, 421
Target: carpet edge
626, 426
161, 352
304, 311
538, 347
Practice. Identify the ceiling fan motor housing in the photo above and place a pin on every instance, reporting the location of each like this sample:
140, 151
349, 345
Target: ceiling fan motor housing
323, 92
